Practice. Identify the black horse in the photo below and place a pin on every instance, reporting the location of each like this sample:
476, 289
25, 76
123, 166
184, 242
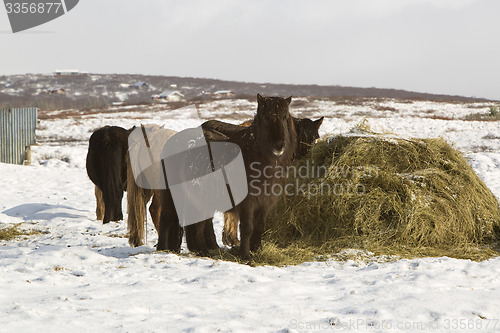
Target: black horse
106, 168
307, 134
270, 142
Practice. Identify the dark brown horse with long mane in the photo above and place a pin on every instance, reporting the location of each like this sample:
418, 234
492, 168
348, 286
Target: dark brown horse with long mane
307, 131
307, 134
268, 143
107, 169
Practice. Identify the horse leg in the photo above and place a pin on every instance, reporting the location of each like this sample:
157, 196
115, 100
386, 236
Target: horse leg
175, 231
165, 220
170, 233
175, 234
195, 238
99, 210
108, 206
155, 210
118, 214
210, 239
230, 232
259, 226
246, 231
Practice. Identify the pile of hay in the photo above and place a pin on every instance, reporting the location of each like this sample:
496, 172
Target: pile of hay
388, 195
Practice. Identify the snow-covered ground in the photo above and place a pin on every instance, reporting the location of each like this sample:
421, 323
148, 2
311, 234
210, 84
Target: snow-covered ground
79, 275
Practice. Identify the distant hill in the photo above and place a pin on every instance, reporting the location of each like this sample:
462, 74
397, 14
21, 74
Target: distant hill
83, 91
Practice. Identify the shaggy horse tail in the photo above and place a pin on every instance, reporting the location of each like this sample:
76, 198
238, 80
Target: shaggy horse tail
230, 232
137, 198
112, 180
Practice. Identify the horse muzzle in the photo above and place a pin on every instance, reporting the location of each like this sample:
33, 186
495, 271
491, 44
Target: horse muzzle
279, 152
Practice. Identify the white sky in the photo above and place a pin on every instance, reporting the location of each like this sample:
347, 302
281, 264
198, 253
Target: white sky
435, 46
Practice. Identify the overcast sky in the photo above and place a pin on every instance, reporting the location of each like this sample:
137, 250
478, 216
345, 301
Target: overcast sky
435, 46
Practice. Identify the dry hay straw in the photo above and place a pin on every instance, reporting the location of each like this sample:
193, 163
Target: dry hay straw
386, 194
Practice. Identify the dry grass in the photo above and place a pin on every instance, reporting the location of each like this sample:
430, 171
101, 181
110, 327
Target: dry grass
9, 233
491, 137
420, 198
431, 114
385, 108
369, 114
482, 149
417, 197
493, 114
12, 232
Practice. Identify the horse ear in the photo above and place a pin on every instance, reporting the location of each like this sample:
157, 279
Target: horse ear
260, 99
319, 121
289, 100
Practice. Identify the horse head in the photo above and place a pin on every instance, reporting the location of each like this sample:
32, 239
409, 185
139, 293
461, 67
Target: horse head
273, 125
307, 134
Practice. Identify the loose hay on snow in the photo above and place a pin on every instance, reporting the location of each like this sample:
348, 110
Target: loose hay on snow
9, 232
390, 195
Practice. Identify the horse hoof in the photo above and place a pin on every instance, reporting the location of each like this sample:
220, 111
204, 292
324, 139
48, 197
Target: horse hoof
214, 247
249, 263
202, 254
230, 242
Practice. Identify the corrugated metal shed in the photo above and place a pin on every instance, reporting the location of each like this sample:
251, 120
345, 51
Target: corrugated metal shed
17, 133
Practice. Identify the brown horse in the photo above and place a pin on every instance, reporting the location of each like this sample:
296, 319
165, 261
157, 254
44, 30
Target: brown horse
106, 168
137, 196
307, 134
269, 143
